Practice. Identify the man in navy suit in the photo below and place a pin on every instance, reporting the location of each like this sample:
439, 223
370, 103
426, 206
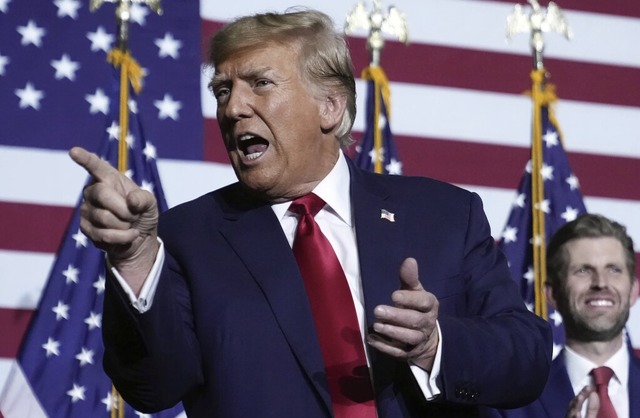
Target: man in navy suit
208, 306
592, 284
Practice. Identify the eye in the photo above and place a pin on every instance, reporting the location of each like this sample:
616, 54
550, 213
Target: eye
263, 82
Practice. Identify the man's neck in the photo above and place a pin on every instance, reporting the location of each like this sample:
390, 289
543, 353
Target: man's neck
596, 351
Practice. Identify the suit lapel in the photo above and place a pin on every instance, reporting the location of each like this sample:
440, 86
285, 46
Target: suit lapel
270, 261
558, 392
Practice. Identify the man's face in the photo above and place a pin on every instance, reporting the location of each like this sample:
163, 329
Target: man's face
272, 123
598, 291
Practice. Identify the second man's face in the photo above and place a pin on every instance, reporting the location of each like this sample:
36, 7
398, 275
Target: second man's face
598, 291
271, 122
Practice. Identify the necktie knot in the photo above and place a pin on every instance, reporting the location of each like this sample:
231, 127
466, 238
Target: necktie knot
602, 375
309, 204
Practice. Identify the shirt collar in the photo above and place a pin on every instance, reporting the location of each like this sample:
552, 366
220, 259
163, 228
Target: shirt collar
579, 367
333, 189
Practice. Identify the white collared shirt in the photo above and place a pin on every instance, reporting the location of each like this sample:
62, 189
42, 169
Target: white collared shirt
579, 369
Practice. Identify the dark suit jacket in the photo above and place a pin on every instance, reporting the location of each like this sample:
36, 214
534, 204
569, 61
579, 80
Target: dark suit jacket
557, 394
230, 331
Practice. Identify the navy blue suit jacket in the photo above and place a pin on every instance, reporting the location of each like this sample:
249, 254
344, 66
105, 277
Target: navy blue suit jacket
557, 394
230, 332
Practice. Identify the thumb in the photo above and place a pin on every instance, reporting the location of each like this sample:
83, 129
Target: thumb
409, 279
140, 201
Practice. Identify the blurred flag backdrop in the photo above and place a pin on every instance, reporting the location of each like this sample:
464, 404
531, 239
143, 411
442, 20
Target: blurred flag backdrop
458, 112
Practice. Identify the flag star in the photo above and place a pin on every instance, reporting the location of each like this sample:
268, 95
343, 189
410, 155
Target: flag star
94, 320
52, 347
168, 46
76, 393
556, 318
61, 310
133, 105
100, 40
31, 34
544, 206
527, 168
149, 151
573, 182
65, 68
530, 306
80, 239
551, 138
382, 122
129, 174
570, 214
113, 130
168, 108
557, 348
142, 415
376, 155
510, 234
520, 200
4, 60
29, 97
529, 276
3, 5
99, 102
146, 185
67, 8
71, 273
99, 285
546, 172
139, 14
85, 357
109, 402
394, 167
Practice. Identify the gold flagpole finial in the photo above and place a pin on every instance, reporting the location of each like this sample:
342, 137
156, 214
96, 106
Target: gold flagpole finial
376, 22
539, 20
123, 16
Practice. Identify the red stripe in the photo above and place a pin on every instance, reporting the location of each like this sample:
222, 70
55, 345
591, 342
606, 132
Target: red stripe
620, 8
13, 323
483, 164
36, 228
493, 71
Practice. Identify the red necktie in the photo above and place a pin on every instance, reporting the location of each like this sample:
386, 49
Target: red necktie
334, 315
601, 377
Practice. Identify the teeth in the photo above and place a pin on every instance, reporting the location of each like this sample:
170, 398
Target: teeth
245, 137
601, 303
254, 155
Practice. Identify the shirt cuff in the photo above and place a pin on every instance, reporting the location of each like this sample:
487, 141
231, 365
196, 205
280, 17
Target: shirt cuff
142, 302
426, 380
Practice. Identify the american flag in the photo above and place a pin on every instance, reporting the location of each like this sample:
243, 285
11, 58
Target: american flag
377, 150
561, 202
459, 114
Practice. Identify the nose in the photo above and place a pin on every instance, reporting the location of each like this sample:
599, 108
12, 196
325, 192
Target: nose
239, 104
598, 280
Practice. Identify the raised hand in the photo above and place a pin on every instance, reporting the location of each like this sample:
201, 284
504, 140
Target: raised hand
119, 217
589, 395
407, 330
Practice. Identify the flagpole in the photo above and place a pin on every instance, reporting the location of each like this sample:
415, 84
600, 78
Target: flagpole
130, 75
538, 21
377, 22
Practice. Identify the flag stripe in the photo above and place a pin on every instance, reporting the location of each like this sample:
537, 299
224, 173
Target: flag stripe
14, 323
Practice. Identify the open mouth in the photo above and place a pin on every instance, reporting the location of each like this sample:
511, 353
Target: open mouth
251, 146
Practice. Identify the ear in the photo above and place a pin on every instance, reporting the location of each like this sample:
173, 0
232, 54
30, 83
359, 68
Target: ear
331, 111
548, 292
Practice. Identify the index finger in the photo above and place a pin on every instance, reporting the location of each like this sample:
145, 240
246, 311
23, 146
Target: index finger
96, 167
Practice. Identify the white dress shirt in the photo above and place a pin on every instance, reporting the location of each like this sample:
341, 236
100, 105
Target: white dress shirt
579, 368
336, 223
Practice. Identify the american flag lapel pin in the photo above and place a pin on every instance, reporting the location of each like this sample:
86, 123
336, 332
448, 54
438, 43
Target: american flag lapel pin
389, 216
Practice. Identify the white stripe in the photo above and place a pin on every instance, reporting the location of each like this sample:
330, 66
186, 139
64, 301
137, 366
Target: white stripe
496, 118
478, 25
16, 398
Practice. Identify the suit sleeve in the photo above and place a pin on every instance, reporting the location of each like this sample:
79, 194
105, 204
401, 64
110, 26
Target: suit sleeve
153, 358
495, 352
